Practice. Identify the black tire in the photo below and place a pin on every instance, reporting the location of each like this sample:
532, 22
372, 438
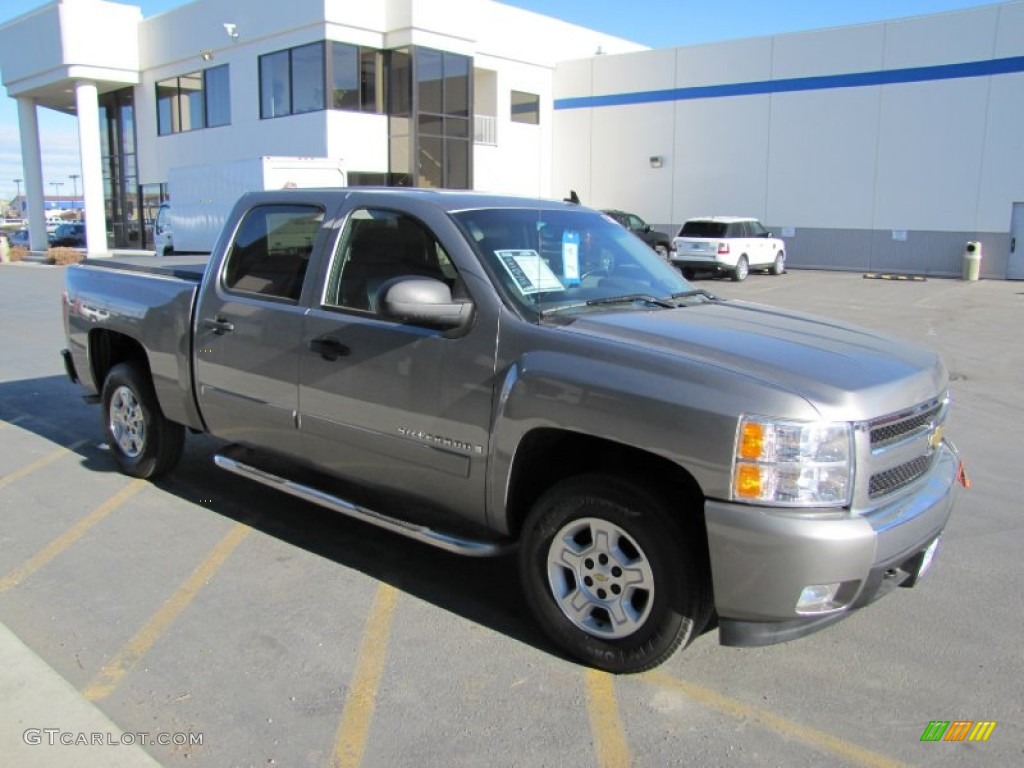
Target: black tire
662, 249
688, 273
779, 265
742, 269
586, 528
143, 441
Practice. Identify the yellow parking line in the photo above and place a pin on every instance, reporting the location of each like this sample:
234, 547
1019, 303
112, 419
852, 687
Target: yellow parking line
111, 675
362, 693
610, 745
767, 719
69, 537
38, 464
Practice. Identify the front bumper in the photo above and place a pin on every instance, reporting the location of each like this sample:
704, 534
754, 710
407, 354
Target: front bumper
762, 559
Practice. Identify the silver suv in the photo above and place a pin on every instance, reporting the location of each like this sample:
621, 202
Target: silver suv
727, 244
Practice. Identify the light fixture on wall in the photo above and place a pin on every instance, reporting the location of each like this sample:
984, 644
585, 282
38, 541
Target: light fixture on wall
206, 55
231, 30
656, 161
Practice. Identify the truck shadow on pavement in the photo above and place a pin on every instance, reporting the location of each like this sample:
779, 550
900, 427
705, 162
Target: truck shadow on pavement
483, 590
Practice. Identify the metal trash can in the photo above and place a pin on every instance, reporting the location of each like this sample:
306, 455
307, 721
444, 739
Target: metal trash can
972, 260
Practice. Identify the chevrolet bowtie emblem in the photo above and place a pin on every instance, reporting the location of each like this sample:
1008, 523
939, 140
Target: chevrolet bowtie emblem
935, 438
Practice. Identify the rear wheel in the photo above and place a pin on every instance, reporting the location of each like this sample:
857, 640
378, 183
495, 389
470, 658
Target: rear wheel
144, 442
611, 575
662, 250
779, 265
742, 269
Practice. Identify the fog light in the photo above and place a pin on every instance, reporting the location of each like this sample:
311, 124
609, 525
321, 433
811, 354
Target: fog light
818, 598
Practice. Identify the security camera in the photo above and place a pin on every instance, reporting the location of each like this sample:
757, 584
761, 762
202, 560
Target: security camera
232, 31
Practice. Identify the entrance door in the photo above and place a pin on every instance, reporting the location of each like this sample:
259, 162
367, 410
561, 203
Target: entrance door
1015, 266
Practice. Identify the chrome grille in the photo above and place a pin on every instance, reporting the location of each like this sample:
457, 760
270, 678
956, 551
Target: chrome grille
903, 446
892, 431
897, 477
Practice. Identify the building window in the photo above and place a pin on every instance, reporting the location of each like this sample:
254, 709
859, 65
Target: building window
355, 74
275, 85
193, 101
293, 81
442, 119
525, 107
308, 78
217, 90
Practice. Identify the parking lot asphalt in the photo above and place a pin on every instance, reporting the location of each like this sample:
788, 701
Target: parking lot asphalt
203, 620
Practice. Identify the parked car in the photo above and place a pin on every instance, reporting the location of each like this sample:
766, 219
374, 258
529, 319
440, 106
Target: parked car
18, 238
659, 241
730, 244
68, 235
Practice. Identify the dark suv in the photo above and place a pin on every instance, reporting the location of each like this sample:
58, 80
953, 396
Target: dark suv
659, 241
71, 235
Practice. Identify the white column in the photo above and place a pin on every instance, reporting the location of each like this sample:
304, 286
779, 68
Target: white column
87, 104
32, 167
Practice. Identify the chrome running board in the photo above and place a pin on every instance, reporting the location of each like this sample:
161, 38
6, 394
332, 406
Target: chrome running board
422, 533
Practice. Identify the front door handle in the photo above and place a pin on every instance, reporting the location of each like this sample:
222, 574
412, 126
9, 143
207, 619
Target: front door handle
218, 325
328, 347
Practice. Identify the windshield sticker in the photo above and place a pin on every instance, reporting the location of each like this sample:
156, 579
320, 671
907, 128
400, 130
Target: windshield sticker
530, 272
571, 257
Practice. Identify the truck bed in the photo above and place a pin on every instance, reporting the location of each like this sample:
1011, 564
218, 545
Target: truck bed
189, 268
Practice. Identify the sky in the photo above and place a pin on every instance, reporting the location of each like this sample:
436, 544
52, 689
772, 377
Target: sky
654, 23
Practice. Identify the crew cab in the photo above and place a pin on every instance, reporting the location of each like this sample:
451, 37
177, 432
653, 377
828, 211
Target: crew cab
487, 374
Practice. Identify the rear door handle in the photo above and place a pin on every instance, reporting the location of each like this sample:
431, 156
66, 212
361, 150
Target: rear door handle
218, 325
328, 347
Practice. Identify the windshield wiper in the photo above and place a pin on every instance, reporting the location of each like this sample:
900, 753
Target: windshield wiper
696, 292
631, 298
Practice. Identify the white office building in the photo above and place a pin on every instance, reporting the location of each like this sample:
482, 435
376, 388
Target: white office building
882, 147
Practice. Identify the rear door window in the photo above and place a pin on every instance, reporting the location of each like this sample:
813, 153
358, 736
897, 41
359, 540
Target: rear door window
271, 250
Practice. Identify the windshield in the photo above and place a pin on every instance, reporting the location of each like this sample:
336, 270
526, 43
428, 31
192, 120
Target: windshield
574, 260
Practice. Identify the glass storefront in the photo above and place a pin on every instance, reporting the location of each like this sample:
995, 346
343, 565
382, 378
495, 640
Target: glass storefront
122, 196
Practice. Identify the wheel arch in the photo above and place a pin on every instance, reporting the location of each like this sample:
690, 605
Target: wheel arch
546, 456
108, 348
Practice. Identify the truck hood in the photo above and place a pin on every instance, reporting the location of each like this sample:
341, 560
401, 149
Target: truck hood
844, 371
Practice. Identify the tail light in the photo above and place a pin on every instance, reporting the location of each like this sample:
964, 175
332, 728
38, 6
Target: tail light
723, 247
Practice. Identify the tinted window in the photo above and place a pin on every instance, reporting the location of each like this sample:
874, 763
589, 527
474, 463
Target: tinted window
376, 247
271, 250
525, 107
757, 229
275, 91
308, 78
218, 96
703, 229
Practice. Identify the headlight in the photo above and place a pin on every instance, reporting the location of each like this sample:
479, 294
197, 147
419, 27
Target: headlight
792, 463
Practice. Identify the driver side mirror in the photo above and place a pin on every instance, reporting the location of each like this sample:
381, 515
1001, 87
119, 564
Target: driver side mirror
425, 301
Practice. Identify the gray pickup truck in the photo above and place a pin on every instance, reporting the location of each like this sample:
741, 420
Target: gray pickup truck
485, 373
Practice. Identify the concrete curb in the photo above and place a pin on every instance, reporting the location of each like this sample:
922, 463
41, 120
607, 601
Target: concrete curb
33, 697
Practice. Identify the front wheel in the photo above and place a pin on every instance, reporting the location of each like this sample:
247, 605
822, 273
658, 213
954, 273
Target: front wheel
611, 575
144, 442
742, 269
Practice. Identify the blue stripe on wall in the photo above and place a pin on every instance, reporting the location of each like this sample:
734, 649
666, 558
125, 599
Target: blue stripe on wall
795, 84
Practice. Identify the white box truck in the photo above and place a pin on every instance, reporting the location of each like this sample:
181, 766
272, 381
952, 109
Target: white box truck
201, 196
